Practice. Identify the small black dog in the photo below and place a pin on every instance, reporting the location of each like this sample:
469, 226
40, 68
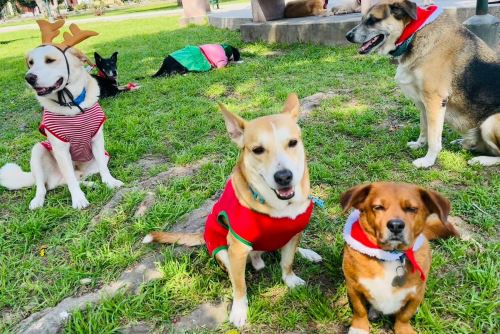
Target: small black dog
197, 59
107, 76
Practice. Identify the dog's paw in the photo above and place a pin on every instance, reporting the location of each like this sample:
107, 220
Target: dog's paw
257, 262
293, 281
424, 162
373, 314
309, 254
484, 161
239, 310
36, 203
79, 201
353, 330
112, 183
414, 145
458, 141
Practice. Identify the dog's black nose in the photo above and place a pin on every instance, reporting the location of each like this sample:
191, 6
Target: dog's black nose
31, 78
283, 177
396, 226
350, 36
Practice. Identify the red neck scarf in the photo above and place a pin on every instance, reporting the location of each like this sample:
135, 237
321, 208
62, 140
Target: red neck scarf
424, 17
357, 239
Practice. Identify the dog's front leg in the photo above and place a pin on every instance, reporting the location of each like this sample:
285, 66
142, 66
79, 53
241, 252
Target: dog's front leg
434, 111
402, 324
287, 257
63, 157
102, 162
238, 253
36, 164
360, 323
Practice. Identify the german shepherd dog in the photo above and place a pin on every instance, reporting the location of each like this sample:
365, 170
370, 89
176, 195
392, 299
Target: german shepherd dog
264, 199
449, 73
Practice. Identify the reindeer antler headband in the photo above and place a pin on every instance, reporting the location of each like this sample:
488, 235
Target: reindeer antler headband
51, 30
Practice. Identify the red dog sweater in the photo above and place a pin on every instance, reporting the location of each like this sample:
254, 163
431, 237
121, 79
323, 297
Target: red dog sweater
260, 231
77, 130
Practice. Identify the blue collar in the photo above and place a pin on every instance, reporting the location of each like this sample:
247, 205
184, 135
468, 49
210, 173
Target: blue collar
80, 98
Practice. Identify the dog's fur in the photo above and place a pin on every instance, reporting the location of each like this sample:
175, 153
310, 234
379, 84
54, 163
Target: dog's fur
50, 169
369, 279
302, 8
448, 72
108, 84
273, 134
170, 66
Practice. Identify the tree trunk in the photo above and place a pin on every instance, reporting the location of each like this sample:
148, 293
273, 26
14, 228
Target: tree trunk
179, 3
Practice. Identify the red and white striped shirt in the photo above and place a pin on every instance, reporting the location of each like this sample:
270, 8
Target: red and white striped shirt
77, 130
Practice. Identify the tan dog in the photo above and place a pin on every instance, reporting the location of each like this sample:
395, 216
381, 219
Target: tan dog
302, 8
448, 72
387, 257
270, 183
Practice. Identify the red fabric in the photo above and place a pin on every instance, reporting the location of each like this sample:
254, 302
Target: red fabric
260, 231
358, 234
77, 130
422, 15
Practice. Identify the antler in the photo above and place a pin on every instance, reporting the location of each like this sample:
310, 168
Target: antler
49, 30
76, 35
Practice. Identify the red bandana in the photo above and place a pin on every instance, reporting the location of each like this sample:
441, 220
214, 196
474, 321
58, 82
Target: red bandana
357, 239
424, 17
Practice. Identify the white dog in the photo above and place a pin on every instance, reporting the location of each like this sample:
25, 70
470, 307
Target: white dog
72, 122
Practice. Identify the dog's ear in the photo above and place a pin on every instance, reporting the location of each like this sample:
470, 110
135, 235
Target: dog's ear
353, 197
236, 54
97, 57
436, 203
400, 10
114, 56
80, 55
292, 106
235, 125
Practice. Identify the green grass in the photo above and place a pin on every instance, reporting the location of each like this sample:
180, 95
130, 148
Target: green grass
349, 140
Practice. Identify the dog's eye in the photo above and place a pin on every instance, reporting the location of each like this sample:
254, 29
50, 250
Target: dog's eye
292, 143
49, 60
371, 21
258, 150
31, 62
378, 208
411, 209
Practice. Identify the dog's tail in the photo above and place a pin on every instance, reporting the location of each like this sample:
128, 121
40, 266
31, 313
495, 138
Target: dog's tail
12, 177
436, 229
186, 239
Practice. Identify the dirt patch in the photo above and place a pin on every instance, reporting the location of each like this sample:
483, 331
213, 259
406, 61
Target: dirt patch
309, 103
206, 316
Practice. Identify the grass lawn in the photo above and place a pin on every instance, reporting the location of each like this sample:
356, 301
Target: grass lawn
357, 136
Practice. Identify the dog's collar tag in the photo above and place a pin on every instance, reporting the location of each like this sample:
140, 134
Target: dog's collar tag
400, 279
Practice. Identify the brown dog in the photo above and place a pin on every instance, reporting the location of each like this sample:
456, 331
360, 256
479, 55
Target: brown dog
301, 8
387, 257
